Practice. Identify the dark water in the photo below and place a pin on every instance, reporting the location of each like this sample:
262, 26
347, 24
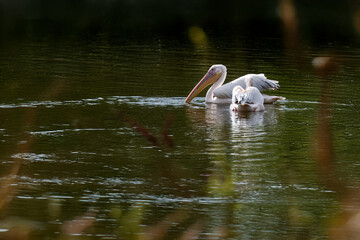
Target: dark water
67, 114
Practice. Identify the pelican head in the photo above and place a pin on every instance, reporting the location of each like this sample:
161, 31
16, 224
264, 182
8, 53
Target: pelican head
211, 77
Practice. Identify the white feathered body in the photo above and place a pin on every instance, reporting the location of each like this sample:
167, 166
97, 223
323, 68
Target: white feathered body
219, 93
259, 81
247, 100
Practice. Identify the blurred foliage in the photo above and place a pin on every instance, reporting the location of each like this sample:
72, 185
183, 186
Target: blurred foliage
149, 18
221, 182
129, 222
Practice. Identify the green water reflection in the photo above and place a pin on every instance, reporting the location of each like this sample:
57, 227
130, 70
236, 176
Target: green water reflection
251, 176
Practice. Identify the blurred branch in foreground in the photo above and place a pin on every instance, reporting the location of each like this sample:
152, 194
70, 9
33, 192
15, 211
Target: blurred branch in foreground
324, 154
166, 140
79, 224
346, 225
287, 12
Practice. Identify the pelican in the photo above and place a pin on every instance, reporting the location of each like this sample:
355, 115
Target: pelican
247, 100
219, 93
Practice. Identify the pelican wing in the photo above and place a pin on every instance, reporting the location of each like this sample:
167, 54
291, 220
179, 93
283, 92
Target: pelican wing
259, 81
253, 95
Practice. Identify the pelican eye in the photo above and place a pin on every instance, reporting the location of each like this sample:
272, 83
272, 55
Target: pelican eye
237, 102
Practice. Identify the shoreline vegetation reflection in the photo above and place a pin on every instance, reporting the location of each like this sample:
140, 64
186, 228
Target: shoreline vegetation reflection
97, 143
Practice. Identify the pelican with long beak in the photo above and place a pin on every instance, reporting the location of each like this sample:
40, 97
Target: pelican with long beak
219, 93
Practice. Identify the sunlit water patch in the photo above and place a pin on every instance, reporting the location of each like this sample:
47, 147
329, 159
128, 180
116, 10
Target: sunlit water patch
33, 157
151, 101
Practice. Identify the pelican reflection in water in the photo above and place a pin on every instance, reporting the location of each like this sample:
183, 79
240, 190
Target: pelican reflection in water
219, 93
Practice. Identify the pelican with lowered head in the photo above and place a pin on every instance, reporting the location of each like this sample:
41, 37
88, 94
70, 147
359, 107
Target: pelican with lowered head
219, 93
247, 100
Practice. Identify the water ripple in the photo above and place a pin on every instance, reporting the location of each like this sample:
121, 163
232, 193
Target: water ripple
198, 102
33, 157
130, 100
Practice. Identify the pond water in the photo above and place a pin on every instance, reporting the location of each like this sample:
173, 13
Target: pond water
97, 131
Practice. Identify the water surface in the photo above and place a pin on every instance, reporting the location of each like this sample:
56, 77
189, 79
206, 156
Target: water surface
69, 115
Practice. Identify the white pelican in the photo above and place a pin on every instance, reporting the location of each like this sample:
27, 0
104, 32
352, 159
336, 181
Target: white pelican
247, 100
222, 94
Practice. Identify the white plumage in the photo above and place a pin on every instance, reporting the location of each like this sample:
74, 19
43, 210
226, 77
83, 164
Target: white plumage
259, 81
247, 100
219, 93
